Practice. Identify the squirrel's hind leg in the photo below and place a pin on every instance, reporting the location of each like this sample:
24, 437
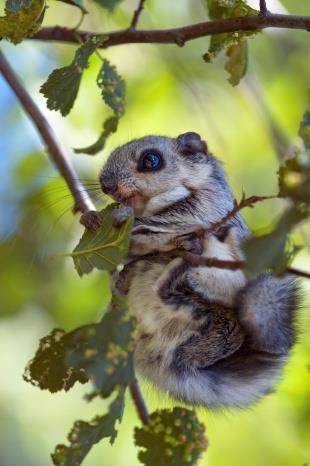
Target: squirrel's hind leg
267, 308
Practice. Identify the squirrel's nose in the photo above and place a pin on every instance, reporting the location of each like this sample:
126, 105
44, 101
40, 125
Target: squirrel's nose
108, 185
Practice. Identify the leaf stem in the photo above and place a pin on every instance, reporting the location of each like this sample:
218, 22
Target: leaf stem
138, 399
55, 151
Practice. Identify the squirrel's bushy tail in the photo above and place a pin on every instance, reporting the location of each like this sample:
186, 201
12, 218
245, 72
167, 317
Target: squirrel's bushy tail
267, 308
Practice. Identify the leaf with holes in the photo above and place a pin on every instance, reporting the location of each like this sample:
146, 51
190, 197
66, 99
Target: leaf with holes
84, 435
105, 350
48, 370
62, 85
105, 248
113, 93
268, 251
233, 42
22, 19
172, 438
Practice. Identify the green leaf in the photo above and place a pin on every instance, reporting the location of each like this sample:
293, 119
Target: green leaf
236, 65
22, 19
77, 3
109, 126
172, 438
48, 370
113, 93
108, 4
233, 42
104, 249
62, 85
84, 435
268, 251
304, 129
105, 350
294, 179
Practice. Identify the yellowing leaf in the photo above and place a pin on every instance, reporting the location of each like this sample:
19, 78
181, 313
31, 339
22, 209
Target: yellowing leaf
22, 19
233, 42
104, 249
236, 65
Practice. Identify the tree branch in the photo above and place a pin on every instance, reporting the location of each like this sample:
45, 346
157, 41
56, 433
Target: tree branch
138, 399
180, 35
136, 15
55, 151
57, 155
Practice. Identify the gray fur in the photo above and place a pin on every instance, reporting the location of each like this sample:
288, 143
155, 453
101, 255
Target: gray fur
205, 335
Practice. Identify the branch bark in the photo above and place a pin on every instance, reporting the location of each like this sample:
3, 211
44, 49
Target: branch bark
180, 35
55, 151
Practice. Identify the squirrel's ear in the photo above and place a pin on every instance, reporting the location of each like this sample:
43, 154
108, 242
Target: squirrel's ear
191, 143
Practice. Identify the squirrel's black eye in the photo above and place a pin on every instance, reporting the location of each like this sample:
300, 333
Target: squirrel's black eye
150, 161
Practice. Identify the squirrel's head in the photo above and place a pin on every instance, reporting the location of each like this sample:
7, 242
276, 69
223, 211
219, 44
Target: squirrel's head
153, 172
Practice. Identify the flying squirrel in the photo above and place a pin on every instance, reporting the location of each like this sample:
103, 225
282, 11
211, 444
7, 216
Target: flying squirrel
208, 336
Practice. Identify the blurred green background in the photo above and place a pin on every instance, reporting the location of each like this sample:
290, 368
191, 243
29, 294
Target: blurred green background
170, 90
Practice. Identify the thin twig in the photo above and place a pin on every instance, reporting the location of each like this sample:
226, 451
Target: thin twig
136, 15
180, 35
139, 402
298, 273
244, 202
263, 7
83, 203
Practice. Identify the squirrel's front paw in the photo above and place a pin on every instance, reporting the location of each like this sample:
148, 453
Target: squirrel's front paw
91, 220
189, 242
121, 214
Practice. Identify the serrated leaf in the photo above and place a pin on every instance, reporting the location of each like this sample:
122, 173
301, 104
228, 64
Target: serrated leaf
113, 93
22, 19
62, 85
172, 438
77, 3
105, 350
237, 62
233, 42
48, 370
108, 4
84, 435
268, 251
104, 249
304, 129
